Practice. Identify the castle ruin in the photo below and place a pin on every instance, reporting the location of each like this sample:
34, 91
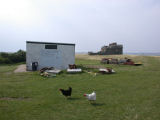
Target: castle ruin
112, 49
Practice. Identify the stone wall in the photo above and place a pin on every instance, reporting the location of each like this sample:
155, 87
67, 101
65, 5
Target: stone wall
112, 49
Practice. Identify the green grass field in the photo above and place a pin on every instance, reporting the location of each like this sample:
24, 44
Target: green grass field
133, 93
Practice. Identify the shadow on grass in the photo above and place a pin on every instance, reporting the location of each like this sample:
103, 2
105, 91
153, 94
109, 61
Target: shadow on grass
73, 98
97, 104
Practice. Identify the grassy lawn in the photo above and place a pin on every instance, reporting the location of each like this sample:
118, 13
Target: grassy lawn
133, 93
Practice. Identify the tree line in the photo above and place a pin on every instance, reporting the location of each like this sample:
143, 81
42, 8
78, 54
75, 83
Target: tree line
9, 58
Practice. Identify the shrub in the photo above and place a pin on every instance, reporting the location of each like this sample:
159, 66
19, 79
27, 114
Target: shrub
4, 54
6, 58
1, 60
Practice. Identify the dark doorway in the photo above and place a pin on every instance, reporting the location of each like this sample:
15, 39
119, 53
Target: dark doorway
34, 66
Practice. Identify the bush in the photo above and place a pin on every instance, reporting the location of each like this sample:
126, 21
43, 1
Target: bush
7, 61
1, 60
4, 54
6, 58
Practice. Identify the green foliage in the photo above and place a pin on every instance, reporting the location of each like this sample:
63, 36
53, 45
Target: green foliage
8, 58
4, 54
130, 94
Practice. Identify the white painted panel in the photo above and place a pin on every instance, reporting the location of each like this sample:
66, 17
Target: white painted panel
58, 58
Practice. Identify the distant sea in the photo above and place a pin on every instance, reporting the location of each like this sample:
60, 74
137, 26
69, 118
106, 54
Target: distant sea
143, 54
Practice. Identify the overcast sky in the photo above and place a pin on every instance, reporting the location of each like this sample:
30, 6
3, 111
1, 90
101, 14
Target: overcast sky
89, 24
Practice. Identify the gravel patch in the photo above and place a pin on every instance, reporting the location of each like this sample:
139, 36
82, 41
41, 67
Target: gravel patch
20, 68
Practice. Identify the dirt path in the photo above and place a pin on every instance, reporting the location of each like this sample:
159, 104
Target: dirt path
20, 68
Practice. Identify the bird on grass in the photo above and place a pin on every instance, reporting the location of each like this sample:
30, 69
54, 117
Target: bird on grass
91, 97
67, 92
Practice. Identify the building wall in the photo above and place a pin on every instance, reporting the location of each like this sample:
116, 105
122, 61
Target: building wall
111, 49
58, 58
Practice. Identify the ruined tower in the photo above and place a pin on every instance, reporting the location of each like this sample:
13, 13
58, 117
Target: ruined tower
112, 49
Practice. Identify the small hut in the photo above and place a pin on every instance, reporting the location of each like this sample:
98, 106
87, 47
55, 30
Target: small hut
48, 54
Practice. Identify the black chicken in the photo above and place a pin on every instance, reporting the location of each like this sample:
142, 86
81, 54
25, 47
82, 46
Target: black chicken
66, 93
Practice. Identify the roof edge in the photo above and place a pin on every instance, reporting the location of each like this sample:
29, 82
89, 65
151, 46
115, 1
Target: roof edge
37, 42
